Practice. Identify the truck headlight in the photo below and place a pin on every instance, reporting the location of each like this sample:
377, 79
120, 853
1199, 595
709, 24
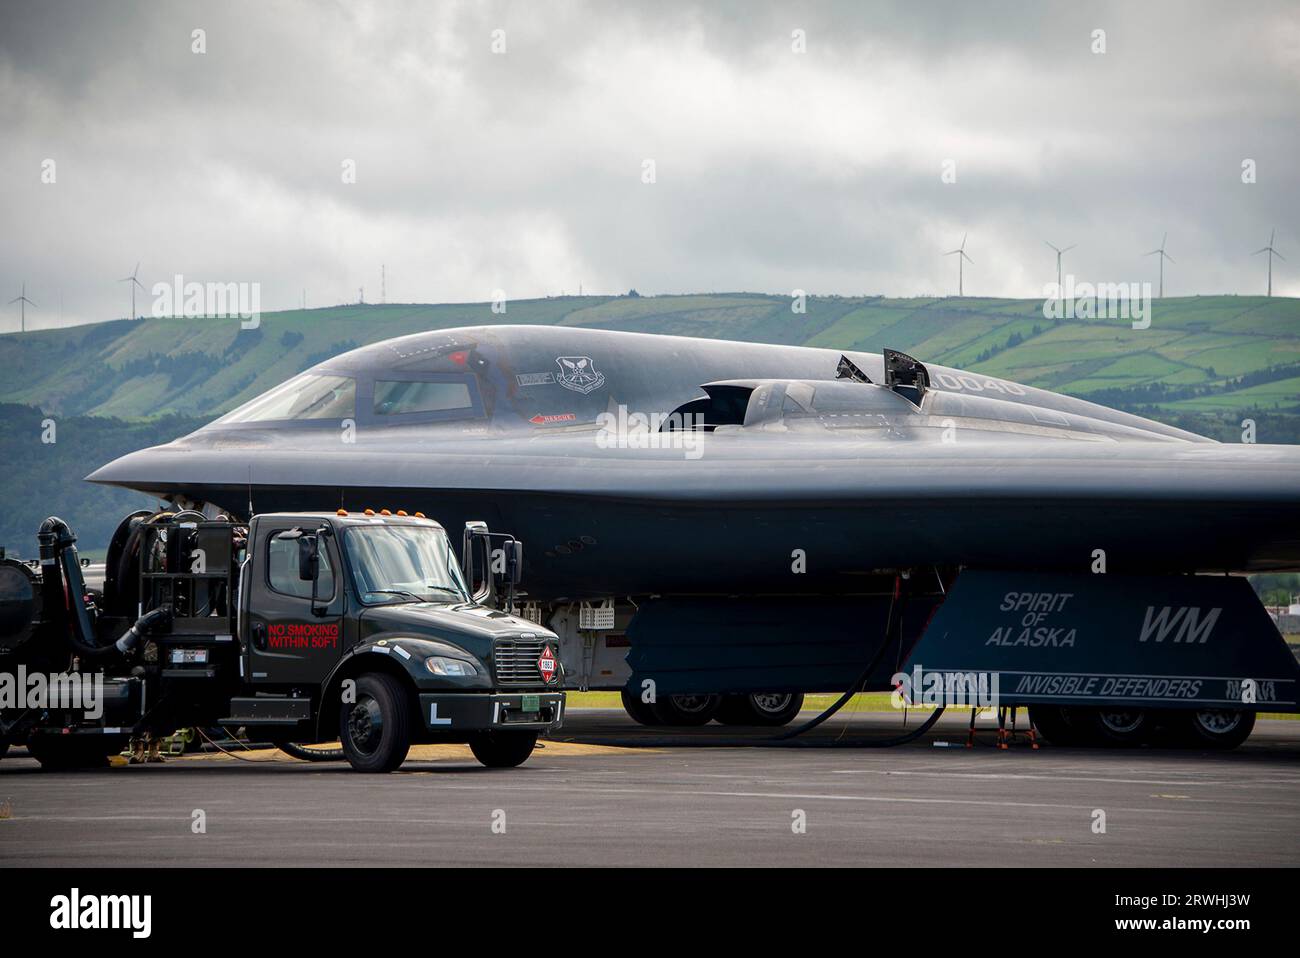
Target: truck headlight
442, 665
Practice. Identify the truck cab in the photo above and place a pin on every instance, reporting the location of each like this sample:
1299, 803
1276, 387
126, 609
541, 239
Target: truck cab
363, 627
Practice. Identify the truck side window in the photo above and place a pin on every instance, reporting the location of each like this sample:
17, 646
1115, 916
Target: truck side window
282, 570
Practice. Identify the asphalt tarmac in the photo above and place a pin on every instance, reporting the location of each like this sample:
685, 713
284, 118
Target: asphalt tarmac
588, 799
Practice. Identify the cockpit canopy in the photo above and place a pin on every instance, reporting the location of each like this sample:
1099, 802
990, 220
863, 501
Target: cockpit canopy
389, 398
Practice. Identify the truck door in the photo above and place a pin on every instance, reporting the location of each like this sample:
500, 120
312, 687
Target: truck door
288, 642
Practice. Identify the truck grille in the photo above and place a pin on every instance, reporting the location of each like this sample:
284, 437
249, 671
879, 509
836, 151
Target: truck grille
516, 661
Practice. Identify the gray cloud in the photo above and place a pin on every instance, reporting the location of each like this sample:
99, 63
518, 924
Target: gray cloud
522, 171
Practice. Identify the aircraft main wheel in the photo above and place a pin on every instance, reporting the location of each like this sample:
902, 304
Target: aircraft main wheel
760, 708
638, 711
1111, 725
686, 709
503, 749
376, 729
1054, 724
1214, 728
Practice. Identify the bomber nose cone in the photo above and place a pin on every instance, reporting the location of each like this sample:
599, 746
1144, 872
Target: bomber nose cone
135, 470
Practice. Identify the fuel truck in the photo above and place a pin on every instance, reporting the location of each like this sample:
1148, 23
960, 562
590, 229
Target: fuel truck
301, 628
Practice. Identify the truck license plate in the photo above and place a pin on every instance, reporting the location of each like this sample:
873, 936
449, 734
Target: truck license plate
189, 656
531, 703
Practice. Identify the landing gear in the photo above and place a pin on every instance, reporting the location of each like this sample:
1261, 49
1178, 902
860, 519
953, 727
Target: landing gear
503, 749
376, 729
760, 708
1213, 728
686, 709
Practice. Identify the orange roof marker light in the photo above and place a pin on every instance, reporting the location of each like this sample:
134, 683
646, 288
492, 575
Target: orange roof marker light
341, 512
419, 515
384, 512
370, 512
401, 512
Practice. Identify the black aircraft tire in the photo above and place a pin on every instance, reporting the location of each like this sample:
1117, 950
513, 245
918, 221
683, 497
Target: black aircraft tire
1111, 727
683, 710
376, 729
503, 749
68, 752
1213, 728
760, 708
640, 712
1054, 724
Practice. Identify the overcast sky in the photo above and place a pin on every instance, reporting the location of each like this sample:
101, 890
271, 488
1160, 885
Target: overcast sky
523, 170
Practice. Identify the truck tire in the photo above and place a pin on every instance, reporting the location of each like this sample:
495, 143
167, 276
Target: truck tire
503, 749
1213, 728
760, 708
376, 729
686, 709
68, 752
4, 748
639, 711
1053, 723
1112, 726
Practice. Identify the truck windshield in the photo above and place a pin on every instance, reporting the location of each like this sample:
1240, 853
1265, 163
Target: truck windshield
401, 563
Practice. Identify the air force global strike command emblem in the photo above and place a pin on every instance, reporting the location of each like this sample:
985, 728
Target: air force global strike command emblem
579, 374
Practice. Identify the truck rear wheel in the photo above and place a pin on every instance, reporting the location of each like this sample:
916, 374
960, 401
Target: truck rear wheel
1214, 728
1053, 723
4, 748
640, 712
503, 749
1111, 725
760, 708
376, 729
686, 709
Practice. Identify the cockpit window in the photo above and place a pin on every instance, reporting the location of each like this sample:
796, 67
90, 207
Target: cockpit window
395, 398
309, 396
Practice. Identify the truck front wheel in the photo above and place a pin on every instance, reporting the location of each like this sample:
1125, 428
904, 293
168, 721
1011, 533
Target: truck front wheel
376, 729
503, 749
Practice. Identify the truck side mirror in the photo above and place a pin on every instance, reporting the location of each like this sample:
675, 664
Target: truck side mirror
308, 559
514, 561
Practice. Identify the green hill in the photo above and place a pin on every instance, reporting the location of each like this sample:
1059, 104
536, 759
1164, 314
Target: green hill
1204, 364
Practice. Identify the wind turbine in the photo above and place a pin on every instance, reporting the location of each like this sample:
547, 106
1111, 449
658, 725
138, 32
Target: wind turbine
1163, 256
134, 283
23, 302
1060, 290
960, 252
1271, 253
